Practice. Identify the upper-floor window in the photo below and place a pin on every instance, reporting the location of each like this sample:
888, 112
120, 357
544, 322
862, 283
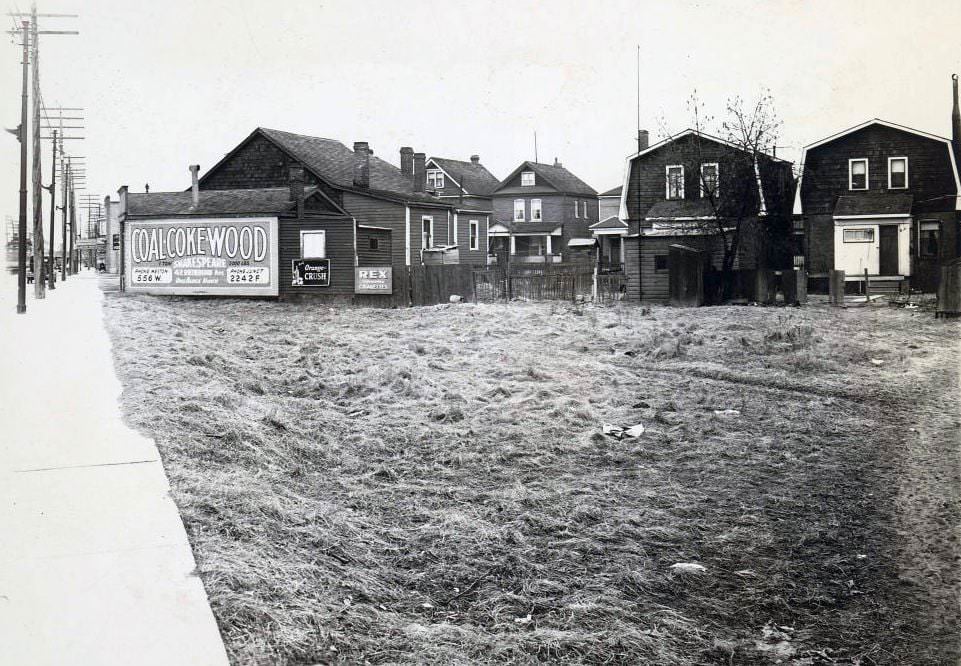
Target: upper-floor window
518, 210
535, 209
427, 232
435, 179
675, 181
709, 178
585, 208
313, 244
858, 174
527, 178
577, 208
897, 173
474, 234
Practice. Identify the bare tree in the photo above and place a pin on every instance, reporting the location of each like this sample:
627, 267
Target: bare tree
738, 200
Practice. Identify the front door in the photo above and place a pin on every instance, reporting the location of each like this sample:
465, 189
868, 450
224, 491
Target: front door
888, 249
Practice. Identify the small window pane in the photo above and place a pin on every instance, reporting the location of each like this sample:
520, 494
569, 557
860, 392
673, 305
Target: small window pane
859, 235
313, 245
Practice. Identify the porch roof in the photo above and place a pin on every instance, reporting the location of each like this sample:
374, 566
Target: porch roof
612, 222
681, 209
874, 203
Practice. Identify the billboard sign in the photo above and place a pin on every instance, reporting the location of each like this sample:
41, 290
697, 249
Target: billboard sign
202, 256
310, 272
373, 280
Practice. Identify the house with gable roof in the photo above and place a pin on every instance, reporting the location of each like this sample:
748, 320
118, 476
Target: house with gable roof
673, 194
396, 221
468, 185
542, 214
882, 198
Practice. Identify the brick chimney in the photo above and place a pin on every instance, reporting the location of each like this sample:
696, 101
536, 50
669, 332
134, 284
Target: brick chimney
557, 162
407, 162
643, 140
195, 184
361, 165
296, 183
420, 174
956, 121
475, 159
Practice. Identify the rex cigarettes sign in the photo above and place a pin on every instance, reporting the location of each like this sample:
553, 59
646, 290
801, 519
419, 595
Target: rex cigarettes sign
202, 256
374, 280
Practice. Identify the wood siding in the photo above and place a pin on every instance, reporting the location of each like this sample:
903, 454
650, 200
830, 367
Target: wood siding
380, 213
467, 256
340, 251
366, 256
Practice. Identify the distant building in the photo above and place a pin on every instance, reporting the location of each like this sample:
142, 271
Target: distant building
882, 198
538, 210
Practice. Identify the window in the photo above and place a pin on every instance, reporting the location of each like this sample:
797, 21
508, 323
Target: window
536, 210
427, 232
897, 173
374, 243
660, 262
709, 179
313, 244
929, 237
675, 181
858, 174
518, 210
474, 231
859, 235
527, 179
435, 179
585, 208
576, 209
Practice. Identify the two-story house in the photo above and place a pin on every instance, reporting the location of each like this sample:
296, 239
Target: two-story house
468, 186
396, 222
538, 210
881, 198
702, 192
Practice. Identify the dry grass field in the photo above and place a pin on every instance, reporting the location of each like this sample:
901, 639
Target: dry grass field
433, 485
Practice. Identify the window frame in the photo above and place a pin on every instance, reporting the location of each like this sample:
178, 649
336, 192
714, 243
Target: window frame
373, 243
867, 172
665, 258
473, 235
585, 209
522, 209
717, 178
844, 234
435, 175
423, 219
322, 233
890, 161
533, 179
576, 210
539, 208
667, 182
937, 228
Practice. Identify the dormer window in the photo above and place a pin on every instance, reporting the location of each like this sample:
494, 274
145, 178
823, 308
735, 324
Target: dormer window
858, 174
435, 179
897, 173
675, 181
709, 179
527, 179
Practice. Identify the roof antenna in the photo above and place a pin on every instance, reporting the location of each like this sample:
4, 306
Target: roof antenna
535, 145
639, 148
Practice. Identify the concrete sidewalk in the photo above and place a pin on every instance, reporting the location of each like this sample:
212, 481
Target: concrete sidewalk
95, 567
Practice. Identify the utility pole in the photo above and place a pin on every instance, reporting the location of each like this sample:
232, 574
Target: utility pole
22, 135
63, 207
39, 274
52, 275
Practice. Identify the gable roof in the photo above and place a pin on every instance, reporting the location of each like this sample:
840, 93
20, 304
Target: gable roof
691, 132
612, 222
477, 180
798, 208
212, 202
333, 162
613, 192
558, 177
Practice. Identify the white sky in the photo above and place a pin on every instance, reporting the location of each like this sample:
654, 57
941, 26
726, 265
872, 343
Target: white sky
167, 84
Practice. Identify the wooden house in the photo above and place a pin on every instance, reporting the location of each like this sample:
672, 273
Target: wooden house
468, 186
882, 198
690, 190
538, 210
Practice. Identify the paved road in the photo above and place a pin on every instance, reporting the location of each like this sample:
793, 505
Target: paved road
95, 567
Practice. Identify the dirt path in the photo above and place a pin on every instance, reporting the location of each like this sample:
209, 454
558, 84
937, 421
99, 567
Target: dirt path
928, 507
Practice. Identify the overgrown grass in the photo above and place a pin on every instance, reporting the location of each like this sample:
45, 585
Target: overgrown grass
432, 486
